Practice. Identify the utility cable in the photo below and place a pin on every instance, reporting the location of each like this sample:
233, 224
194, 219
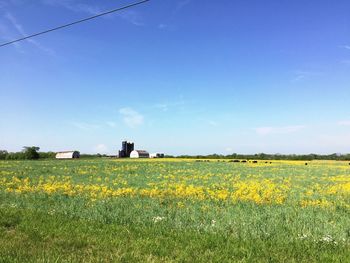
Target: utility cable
74, 23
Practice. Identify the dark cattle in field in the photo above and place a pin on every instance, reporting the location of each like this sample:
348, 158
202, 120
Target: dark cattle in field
305, 163
244, 161
255, 161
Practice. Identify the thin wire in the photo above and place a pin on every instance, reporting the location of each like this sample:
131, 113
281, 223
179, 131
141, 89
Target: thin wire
73, 23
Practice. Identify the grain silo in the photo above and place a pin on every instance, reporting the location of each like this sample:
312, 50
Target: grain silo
127, 148
139, 154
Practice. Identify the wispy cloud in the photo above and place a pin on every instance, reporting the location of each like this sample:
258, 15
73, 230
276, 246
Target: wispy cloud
19, 28
300, 75
345, 61
345, 47
213, 123
181, 4
111, 124
208, 122
344, 123
167, 27
74, 6
131, 117
85, 126
278, 130
169, 105
162, 106
7, 35
178, 5
130, 16
3, 4
7, 3
162, 26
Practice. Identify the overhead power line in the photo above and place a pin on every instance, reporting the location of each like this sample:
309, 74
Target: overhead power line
76, 22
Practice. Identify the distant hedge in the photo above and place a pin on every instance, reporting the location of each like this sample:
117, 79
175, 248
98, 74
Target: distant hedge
264, 156
32, 153
28, 153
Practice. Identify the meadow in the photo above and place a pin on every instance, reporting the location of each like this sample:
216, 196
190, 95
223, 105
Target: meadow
174, 210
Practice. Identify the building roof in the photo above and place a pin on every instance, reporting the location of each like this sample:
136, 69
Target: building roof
141, 151
67, 152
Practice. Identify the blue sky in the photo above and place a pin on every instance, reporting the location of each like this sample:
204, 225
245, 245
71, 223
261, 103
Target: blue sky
177, 76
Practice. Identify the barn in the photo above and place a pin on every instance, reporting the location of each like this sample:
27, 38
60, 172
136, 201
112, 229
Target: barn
139, 154
67, 155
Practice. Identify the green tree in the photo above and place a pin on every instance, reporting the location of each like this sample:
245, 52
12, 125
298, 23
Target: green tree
3, 154
31, 153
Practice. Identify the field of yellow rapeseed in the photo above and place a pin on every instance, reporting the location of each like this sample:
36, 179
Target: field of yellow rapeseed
321, 183
168, 210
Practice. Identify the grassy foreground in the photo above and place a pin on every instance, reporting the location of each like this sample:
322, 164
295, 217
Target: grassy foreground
174, 211
37, 237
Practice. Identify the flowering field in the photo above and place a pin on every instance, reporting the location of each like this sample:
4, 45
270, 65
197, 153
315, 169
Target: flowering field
174, 210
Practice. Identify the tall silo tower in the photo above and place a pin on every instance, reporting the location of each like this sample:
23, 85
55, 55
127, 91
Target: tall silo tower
129, 148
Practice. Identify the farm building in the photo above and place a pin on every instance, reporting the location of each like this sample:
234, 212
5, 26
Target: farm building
67, 155
139, 154
127, 148
157, 155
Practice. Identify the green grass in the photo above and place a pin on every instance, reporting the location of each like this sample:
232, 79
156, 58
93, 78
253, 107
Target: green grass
35, 236
42, 227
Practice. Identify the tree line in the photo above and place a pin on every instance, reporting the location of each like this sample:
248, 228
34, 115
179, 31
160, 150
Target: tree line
264, 156
28, 153
33, 153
